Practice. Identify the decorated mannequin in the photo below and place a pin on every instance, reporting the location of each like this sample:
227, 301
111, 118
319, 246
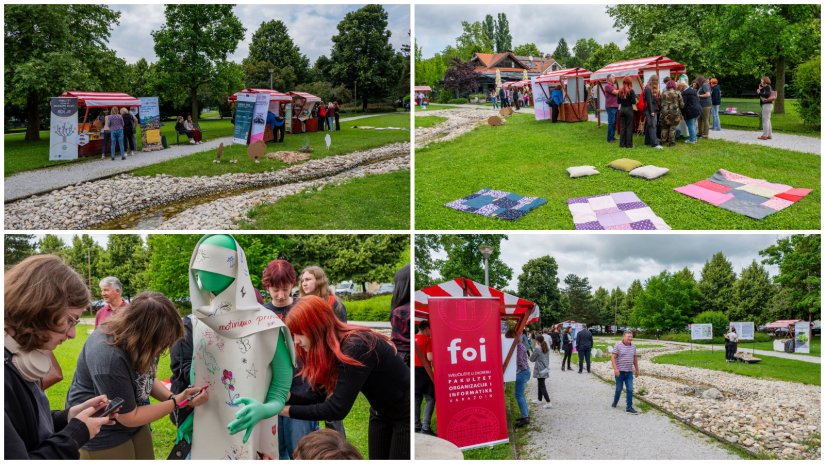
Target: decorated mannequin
241, 350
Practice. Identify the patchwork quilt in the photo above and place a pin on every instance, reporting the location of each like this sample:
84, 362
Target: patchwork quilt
614, 211
755, 198
497, 204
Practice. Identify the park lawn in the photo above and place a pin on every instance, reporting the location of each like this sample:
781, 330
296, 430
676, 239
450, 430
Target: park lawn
789, 123
816, 346
163, 431
376, 308
436, 106
347, 140
375, 202
428, 121
529, 157
771, 367
25, 156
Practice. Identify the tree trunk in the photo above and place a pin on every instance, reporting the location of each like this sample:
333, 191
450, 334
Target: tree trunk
193, 97
779, 104
363, 104
32, 118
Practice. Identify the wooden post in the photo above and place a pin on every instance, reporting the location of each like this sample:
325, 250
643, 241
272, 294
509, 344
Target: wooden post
598, 104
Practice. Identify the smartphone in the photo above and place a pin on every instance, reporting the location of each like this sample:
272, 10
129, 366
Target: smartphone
192, 397
111, 408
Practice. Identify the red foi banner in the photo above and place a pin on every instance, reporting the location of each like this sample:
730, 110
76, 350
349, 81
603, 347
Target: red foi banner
469, 386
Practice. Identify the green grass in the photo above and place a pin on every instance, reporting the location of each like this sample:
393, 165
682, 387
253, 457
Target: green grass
346, 140
428, 121
437, 106
376, 308
529, 157
24, 156
790, 122
816, 342
816, 346
770, 368
163, 431
354, 205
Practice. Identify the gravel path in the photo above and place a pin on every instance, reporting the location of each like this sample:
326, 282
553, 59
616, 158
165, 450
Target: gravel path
582, 425
791, 142
29, 183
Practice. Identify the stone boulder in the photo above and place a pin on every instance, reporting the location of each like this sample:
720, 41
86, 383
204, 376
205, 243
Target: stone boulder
713, 394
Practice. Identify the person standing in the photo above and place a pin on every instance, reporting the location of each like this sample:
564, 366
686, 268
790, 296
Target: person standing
731, 339
400, 313
516, 99
502, 97
556, 338
691, 111
651, 120
322, 116
424, 387
106, 132
703, 89
116, 128
584, 343
670, 113
541, 368
111, 290
567, 347
522, 377
314, 282
611, 105
625, 364
337, 107
494, 99
330, 115
716, 102
626, 99
766, 97
558, 98
129, 126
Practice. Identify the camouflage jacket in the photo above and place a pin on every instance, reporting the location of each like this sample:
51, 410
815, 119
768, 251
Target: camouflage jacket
670, 107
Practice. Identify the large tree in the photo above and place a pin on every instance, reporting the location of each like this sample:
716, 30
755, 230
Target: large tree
273, 46
460, 77
192, 42
49, 49
126, 258
84, 256
52, 245
17, 247
488, 29
583, 49
629, 302
562, 52
504, 41
579, 296
752, 294
617, 301
539, 283
473, 40
528, 49
426, 264
716, 284
362, 56
799, 260
603, 309
465, 260
665, 303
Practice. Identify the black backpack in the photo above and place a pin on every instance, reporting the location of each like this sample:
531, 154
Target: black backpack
128, 122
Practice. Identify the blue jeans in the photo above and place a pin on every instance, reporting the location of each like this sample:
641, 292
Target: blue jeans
611, 123
330, 123
289, 432
691, 125
714, 113
626, 379
117, 138
495, 104
522, 377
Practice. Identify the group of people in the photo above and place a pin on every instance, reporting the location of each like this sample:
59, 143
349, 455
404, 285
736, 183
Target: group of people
328, 115
185, 126
118, 128
219, 360
512, 96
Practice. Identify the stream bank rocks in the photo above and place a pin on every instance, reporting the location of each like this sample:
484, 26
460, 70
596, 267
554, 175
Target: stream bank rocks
459, 122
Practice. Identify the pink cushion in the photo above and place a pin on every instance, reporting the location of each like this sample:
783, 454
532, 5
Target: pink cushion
714, 198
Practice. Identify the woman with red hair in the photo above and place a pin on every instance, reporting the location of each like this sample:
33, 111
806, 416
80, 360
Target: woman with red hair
626, 99
342, 360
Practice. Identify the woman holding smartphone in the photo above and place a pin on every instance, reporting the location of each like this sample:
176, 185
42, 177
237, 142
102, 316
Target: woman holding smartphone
120, 359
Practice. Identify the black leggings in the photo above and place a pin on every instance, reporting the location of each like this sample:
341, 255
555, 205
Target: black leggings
730, 351
568, 353
543, 390
626, 134
389, 438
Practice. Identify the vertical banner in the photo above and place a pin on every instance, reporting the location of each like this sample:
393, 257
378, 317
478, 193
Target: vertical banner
244, 109
540, 95
802, 337
468, 378
259, 117
63, 130
149, 124
288, 118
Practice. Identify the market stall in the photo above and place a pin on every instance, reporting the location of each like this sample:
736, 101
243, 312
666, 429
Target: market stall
90, 138
304, 112
279, 103
787, 334
423, 90
639, 70
573, 82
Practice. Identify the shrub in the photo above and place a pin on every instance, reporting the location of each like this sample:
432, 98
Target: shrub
808, 91
444, 97
717, 318
372, 309
458, 101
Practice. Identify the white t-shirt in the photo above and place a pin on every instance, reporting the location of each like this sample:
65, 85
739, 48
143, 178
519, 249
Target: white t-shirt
731, 336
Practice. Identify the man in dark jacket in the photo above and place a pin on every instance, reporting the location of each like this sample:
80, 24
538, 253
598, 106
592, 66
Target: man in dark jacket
584, 343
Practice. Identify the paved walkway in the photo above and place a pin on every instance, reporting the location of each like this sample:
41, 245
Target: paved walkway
743, 346
37, 181
791, 142
582, 425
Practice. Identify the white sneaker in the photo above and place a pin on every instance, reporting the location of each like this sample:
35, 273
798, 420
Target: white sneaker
548, 406
191, 142
659, 147
536, 401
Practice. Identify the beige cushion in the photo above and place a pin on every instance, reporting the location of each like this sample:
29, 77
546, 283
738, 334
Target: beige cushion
580, 171
649, 172
624, 164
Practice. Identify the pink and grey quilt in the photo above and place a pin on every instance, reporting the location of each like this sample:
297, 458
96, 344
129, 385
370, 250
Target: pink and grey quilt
497, 204
614, 211
755, 198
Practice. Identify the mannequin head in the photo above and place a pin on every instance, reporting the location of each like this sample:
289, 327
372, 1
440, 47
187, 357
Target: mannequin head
210, 281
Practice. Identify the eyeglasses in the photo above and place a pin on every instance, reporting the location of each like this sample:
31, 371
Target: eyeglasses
73, 321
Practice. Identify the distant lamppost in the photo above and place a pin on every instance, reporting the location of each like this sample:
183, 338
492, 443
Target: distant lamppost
271, 72
486, 251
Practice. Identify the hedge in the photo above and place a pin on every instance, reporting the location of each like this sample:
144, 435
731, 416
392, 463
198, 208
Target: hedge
807, 86
458, 101
373, 309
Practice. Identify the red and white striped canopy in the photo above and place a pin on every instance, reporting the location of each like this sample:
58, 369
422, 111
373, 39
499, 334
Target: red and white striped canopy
637, 67
422, 88
310, 98
518, 84
101, 99
782, 324
555, 77
462, 286
274, 95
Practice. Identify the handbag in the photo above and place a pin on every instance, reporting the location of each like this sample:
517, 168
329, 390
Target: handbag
544, 372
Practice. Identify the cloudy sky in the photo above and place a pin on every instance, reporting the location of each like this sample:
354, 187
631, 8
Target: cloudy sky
612, 261
311, 27
437, 26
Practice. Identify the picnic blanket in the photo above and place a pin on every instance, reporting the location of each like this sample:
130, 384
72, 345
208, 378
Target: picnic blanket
614, 211
754, 198
498, 204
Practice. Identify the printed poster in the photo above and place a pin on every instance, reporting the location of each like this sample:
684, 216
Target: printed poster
802, 337
744, 330
701, 331
244, 110
259, 117
540, 106
63, 129
468, 380
149, 119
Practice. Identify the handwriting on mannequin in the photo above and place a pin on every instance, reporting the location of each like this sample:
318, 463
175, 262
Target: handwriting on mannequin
262, 319
469, 354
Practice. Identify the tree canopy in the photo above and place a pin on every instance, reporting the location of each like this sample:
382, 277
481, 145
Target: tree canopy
272, 48
539, 283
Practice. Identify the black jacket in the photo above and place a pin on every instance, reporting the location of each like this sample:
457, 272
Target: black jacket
692, 107
21, 423
716, 95
584, 340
